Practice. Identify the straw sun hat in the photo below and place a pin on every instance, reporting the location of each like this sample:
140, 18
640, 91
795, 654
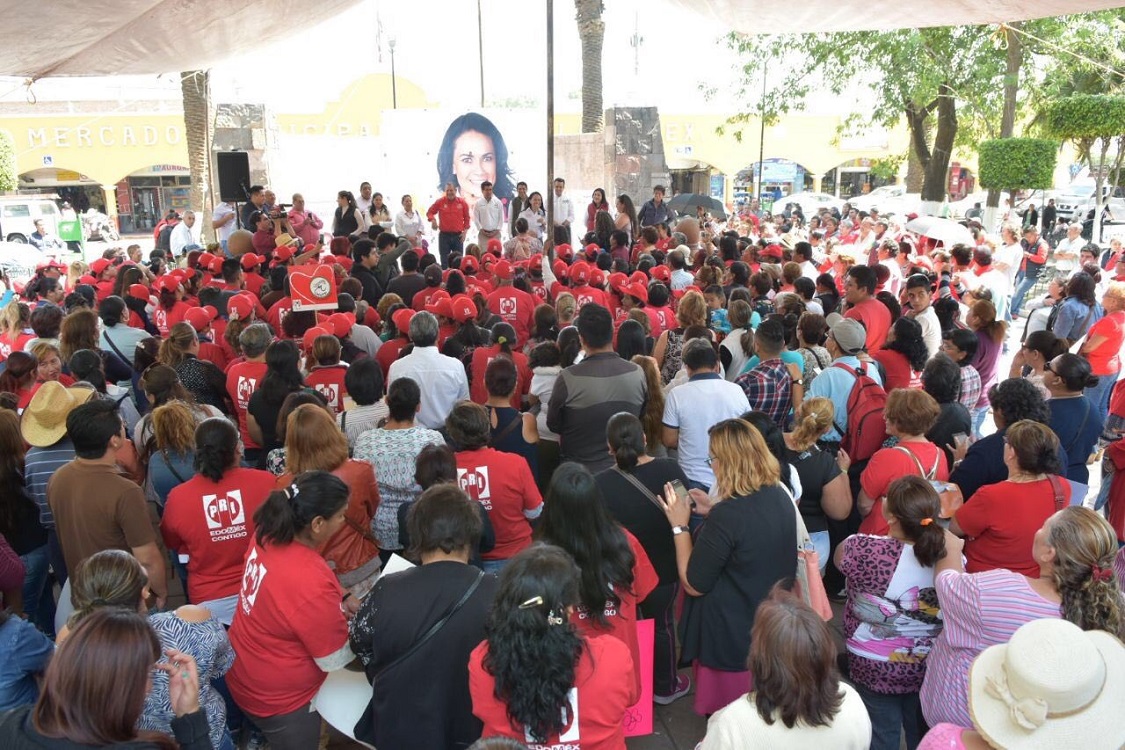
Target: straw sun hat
44, 421
1052, 685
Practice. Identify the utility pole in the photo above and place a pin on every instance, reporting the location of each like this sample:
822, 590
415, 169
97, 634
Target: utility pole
550, 129
394, 85
762, 136
480, 51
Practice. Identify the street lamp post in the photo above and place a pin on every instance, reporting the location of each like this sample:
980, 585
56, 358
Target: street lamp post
394, 85
761, 136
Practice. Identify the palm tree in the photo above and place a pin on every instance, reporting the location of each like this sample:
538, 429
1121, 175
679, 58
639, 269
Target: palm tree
591, 31
195, 88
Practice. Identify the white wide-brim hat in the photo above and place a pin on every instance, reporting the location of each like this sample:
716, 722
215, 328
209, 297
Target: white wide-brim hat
1053, 685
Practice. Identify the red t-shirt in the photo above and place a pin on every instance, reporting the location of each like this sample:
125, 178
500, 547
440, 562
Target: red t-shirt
212, 523
288, 615
585, 294
164, 319
1106, 358
328, 381
516, 308
243, 379
502, 483
667, 318
899, 372
621, 619
9, 344
213, 353
278, 313
598, 700
26, 396
422, 298
876, 319
482, 355
887, 465
254, 283
1001, 521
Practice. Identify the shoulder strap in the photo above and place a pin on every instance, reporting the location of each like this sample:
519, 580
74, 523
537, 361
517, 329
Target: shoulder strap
171, 468
914, 458
434, 628
113, 346
1056, 485
640, 486
508, 430
344, 422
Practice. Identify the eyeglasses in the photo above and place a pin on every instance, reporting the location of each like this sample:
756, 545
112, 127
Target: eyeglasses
710, 460
1047, 367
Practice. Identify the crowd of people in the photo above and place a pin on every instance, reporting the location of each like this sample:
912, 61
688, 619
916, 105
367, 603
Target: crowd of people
672, 419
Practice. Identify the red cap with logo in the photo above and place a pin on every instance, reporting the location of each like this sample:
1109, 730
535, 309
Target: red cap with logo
463, 308
495, 245
662, 273
240, 307
250, 261
639, 291
201, 317
340, 324
580, 273
139, 291
98, 266
502, 269
310, 336
401, 319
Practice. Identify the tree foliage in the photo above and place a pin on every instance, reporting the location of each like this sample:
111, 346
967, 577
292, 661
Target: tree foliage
1086, 117
9, 178
1017, 163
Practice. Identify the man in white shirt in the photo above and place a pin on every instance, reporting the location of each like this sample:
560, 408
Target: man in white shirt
1066, 252
803, 255
182, 239
919, 297
442, 379
488, 215
693, 408
224, 220
564, 213
363, 201
410, 223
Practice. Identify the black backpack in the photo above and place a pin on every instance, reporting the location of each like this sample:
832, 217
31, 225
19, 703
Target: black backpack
164, 239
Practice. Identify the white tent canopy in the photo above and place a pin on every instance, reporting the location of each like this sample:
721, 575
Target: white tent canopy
149, 36
833, 15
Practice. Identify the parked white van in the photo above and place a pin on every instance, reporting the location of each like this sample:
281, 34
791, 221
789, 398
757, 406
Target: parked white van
18, 215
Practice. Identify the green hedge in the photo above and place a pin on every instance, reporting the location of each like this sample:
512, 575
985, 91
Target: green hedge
9, 179
1017, 163
1085, 116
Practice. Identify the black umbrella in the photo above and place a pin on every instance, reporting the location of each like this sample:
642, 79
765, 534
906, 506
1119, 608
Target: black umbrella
688, 203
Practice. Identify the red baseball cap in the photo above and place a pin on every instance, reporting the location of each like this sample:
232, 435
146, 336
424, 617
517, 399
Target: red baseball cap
618, 281
494, 245
469, 264
559, 267
215, 266
592, 250
204, 259
310, 336
502, 269
341, 324
250, 261
139, 291
564, 250
99, 265
50, 263
371, 317
662, 273
597, 277
640, 291
463, 308
87, 279
201, 317
240, 307
440, 306
401, 319
580, 272
283, 253
638, 277
167, 283
535, 262
771, 251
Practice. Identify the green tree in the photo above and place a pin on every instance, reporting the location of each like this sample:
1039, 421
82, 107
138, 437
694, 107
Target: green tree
1095, 124
1017, 163
939, 79
9, 178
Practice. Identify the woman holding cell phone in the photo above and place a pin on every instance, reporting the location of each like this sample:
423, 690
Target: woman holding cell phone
746, 544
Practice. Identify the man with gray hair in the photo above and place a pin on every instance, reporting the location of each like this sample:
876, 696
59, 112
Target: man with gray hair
243, 378
182, 239
441, 379
1066, 252
693, 408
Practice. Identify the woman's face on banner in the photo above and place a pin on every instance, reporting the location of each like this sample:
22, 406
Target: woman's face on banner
474, 161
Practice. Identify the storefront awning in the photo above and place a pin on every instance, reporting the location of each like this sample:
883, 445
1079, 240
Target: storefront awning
833, 15
151, 36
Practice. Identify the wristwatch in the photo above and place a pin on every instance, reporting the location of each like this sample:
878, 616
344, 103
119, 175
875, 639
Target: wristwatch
680, 530
799, 381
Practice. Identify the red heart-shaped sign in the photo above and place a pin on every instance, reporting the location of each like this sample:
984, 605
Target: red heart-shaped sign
313, 290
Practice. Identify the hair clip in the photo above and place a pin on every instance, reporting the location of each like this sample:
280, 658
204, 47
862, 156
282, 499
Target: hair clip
292, 491
925, 522
535, 601
553, 619
1100, 574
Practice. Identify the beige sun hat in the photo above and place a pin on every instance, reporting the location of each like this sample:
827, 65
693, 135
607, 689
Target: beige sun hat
1053, 685
44, 420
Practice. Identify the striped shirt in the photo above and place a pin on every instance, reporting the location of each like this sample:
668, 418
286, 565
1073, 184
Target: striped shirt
40, 465
980, 610
359, 419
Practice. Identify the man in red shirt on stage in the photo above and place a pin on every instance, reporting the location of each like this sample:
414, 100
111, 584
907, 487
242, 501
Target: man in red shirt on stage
450, 216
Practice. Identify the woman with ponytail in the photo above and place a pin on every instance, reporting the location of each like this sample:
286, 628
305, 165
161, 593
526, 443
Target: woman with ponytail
113, 580
203, 379
892, 615
503, 343
209, 519
825, 491
289, 626
630, 490
535, 676
1074, 550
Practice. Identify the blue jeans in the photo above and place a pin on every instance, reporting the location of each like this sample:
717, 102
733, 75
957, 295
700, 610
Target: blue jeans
1022, 289
493, 566
38, 602
823, 547
979, 415
1099, 394
890, 715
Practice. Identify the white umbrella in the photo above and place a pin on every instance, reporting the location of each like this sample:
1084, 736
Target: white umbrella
946, 231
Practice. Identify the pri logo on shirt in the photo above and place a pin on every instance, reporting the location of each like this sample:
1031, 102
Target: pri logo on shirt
570, 738
225, 514
246, 388
507, 307
160, 317
252, 578
584, 299
476, 485
330, 391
